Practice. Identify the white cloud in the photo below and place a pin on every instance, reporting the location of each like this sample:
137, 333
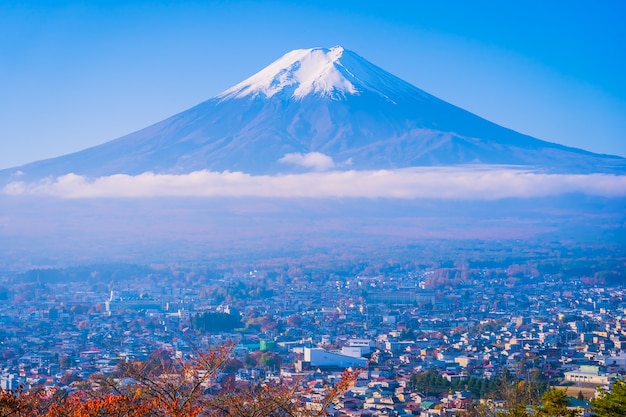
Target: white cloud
316, 160
473, 183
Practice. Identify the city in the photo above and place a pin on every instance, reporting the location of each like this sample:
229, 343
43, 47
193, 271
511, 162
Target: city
462, 323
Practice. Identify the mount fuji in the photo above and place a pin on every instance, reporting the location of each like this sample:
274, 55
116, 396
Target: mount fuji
320, 151
318, 109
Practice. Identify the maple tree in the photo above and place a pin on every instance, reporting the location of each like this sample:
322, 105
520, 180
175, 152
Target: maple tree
165, 387
107, 406
17, 403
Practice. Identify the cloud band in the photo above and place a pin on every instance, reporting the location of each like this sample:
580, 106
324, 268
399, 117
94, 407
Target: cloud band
469, 183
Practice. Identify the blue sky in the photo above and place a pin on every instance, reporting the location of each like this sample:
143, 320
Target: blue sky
74, 74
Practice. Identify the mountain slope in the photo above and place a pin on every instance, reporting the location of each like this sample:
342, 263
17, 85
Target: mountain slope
330, 101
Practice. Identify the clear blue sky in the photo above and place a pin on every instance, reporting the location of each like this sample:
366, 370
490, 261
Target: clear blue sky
74, 74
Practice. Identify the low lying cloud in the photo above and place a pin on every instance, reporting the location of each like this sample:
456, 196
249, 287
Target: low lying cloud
469, 183
315, 160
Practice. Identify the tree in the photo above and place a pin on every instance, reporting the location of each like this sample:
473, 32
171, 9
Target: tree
271, 400
80, 405
515, 396
21, 403
554, 404
294, 320
65, 362
68, 378
613, 403
250, 361
407, 334
270, 360
15, 403
482, 409
166, 387
232, 365
429, 382
514, 408
172, 387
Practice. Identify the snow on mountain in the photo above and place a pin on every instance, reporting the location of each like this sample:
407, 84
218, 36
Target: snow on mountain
330, 72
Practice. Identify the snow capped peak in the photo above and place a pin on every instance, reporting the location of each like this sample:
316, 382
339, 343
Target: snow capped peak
299, 72
330, 72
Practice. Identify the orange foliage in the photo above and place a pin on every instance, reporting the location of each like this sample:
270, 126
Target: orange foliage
109, 405
164, 387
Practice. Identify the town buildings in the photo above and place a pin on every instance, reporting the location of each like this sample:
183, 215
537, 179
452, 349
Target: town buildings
565, 331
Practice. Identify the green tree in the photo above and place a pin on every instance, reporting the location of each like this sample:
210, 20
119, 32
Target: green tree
613, 403
554, 404
407, 334
270, 360
430, 382
249, 361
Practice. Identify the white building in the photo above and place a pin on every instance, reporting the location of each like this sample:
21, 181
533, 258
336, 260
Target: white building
617, 363
320, 358
9, 382
588, 374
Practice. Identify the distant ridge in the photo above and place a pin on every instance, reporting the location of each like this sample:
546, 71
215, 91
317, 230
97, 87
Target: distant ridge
326, 102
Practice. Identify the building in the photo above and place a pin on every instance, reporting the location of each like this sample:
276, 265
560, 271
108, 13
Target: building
589, 374
323, 359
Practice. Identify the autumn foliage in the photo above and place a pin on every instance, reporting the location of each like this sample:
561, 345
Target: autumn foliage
166, 387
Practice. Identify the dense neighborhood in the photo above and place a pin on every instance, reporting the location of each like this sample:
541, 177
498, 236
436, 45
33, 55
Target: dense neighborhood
425, 343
